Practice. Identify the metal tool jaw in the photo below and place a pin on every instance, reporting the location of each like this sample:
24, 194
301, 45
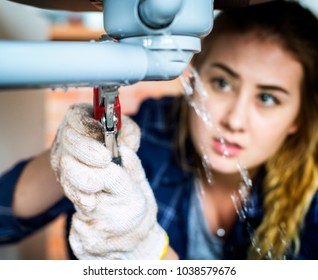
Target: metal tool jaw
107, 111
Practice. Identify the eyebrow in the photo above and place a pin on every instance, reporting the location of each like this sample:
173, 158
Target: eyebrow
226, 69
275, 88
237, 76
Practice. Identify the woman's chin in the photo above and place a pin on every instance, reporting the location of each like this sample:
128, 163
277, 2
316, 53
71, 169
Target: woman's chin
225, 165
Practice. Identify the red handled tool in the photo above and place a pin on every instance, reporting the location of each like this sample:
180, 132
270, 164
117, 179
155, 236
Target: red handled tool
107, 111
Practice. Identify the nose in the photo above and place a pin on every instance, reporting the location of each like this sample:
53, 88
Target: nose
235, 118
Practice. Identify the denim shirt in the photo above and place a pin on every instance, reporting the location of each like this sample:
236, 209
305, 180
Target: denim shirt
172, 188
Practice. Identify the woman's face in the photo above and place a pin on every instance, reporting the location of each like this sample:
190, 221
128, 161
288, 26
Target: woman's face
253, 100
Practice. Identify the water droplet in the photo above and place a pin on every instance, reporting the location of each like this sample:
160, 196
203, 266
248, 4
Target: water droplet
191, 85
269, 255
147, 42
238, 206
220, 232
200, 190
187, 88
244, 174
64, 88
206, 165
207, 170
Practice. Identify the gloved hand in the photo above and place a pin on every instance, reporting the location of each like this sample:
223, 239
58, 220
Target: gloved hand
116, 211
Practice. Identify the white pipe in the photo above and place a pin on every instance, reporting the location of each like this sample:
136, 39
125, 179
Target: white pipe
140, 53
45, 64
62, 64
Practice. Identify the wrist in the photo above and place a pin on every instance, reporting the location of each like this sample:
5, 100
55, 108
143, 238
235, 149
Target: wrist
153, 247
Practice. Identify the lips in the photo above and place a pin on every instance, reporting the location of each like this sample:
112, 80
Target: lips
225, 148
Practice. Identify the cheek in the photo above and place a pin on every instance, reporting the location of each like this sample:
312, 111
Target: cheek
269, 137
218, 108
200, 132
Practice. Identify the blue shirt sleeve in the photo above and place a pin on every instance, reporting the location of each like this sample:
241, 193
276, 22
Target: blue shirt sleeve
12, 228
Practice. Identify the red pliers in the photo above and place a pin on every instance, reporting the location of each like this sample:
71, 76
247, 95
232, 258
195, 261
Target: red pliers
107, 110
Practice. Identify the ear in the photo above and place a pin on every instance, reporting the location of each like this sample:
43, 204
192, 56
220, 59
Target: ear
293, 128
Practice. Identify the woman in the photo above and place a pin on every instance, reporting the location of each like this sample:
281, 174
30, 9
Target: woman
259, 76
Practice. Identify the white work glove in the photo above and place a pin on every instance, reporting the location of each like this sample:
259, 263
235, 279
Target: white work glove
116, 211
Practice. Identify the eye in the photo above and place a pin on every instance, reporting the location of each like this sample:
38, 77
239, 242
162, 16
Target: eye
220, 84
268, 99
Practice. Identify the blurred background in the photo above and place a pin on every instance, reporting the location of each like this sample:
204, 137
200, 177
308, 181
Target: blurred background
29, 118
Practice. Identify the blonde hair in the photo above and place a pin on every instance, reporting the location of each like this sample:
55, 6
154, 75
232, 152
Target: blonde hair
290, 184
292, 173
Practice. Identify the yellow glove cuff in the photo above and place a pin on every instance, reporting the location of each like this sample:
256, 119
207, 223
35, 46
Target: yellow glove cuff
165, 248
